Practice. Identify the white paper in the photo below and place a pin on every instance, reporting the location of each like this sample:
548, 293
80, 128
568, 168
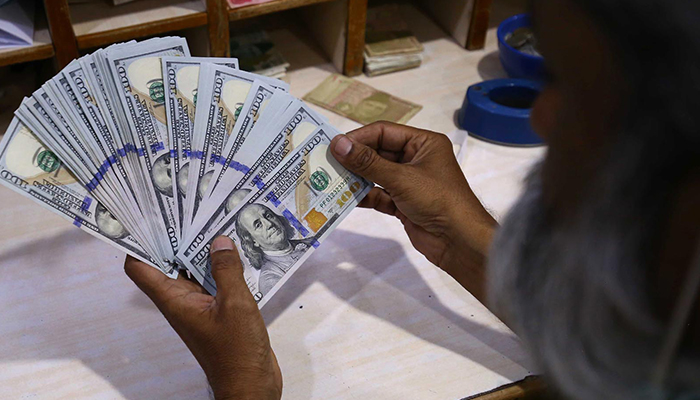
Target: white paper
17, 23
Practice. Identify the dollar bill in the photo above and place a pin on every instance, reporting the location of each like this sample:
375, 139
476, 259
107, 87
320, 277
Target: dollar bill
28, 167
47, 110
256, 160
359, 102
42, 122
272, 235
156, 153
75, 101
259, 97
138, 74
82, 95
181, 84
221, 94
104, 96
83, 123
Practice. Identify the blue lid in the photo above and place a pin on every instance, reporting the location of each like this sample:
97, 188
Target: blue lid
499, 111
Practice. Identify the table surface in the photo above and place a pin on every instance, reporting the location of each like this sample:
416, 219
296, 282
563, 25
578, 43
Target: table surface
365, 317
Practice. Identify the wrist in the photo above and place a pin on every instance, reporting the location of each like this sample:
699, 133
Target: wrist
246, 394
245, 388
468, 243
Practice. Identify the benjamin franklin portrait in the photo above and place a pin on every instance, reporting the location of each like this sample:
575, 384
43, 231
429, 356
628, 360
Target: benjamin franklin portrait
235, 198
204, 184
162, 175
267, 244
182, 176
108, 225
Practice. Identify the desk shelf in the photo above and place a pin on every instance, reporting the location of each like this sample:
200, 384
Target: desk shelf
84, 26
100, 23
256, 10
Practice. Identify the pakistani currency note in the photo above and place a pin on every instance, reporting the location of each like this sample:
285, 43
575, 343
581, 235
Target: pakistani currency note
31, 169
359, 102
272, 235
221, 94
181, 84
138, 74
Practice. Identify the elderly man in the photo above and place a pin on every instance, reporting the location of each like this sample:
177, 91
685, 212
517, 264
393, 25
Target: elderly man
597, 266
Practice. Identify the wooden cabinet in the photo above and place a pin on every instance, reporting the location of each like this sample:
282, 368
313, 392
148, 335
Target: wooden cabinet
64, 30
81, 27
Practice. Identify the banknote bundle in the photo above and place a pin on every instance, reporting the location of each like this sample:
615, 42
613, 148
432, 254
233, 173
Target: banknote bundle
157, 153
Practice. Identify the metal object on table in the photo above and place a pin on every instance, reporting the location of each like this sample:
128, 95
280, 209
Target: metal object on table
517, 47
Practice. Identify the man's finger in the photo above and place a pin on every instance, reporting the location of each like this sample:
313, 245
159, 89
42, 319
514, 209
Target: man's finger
150, 280
386, 136
226, 267
364, 161
379, 200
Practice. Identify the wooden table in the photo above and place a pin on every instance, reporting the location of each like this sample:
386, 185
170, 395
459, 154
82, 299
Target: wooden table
366, 317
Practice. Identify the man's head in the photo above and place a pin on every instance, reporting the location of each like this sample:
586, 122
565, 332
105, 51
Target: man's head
261, 229
589, 263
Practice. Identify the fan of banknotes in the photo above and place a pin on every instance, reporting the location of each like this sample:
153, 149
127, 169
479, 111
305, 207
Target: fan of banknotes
157, 153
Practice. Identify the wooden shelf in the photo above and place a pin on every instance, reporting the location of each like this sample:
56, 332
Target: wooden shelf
268, 8
100, 23
41, 49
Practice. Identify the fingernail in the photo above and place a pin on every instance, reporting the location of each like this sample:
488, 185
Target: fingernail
221, 243
343, 146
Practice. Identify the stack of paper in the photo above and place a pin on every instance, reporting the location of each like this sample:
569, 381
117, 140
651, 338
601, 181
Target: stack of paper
257, 53
16, 23
157, 153
389, 44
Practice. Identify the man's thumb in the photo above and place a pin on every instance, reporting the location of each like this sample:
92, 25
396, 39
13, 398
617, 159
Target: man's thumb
363, 160
226, 266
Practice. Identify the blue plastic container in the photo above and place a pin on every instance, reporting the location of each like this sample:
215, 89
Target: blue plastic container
498, 111
517, 64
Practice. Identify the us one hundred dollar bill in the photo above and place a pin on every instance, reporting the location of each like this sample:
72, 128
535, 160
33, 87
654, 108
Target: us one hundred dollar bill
273, 142
278, 226
223, 92
28, 167
141, 90
181, 87
157, 153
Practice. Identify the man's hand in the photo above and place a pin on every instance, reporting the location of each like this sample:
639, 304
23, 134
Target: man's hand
225, 333
424, 187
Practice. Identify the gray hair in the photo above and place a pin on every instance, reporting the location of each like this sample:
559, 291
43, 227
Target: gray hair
577, 291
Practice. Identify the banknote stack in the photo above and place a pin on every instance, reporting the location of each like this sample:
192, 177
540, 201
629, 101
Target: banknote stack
257, 53
389, 44
157, 153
